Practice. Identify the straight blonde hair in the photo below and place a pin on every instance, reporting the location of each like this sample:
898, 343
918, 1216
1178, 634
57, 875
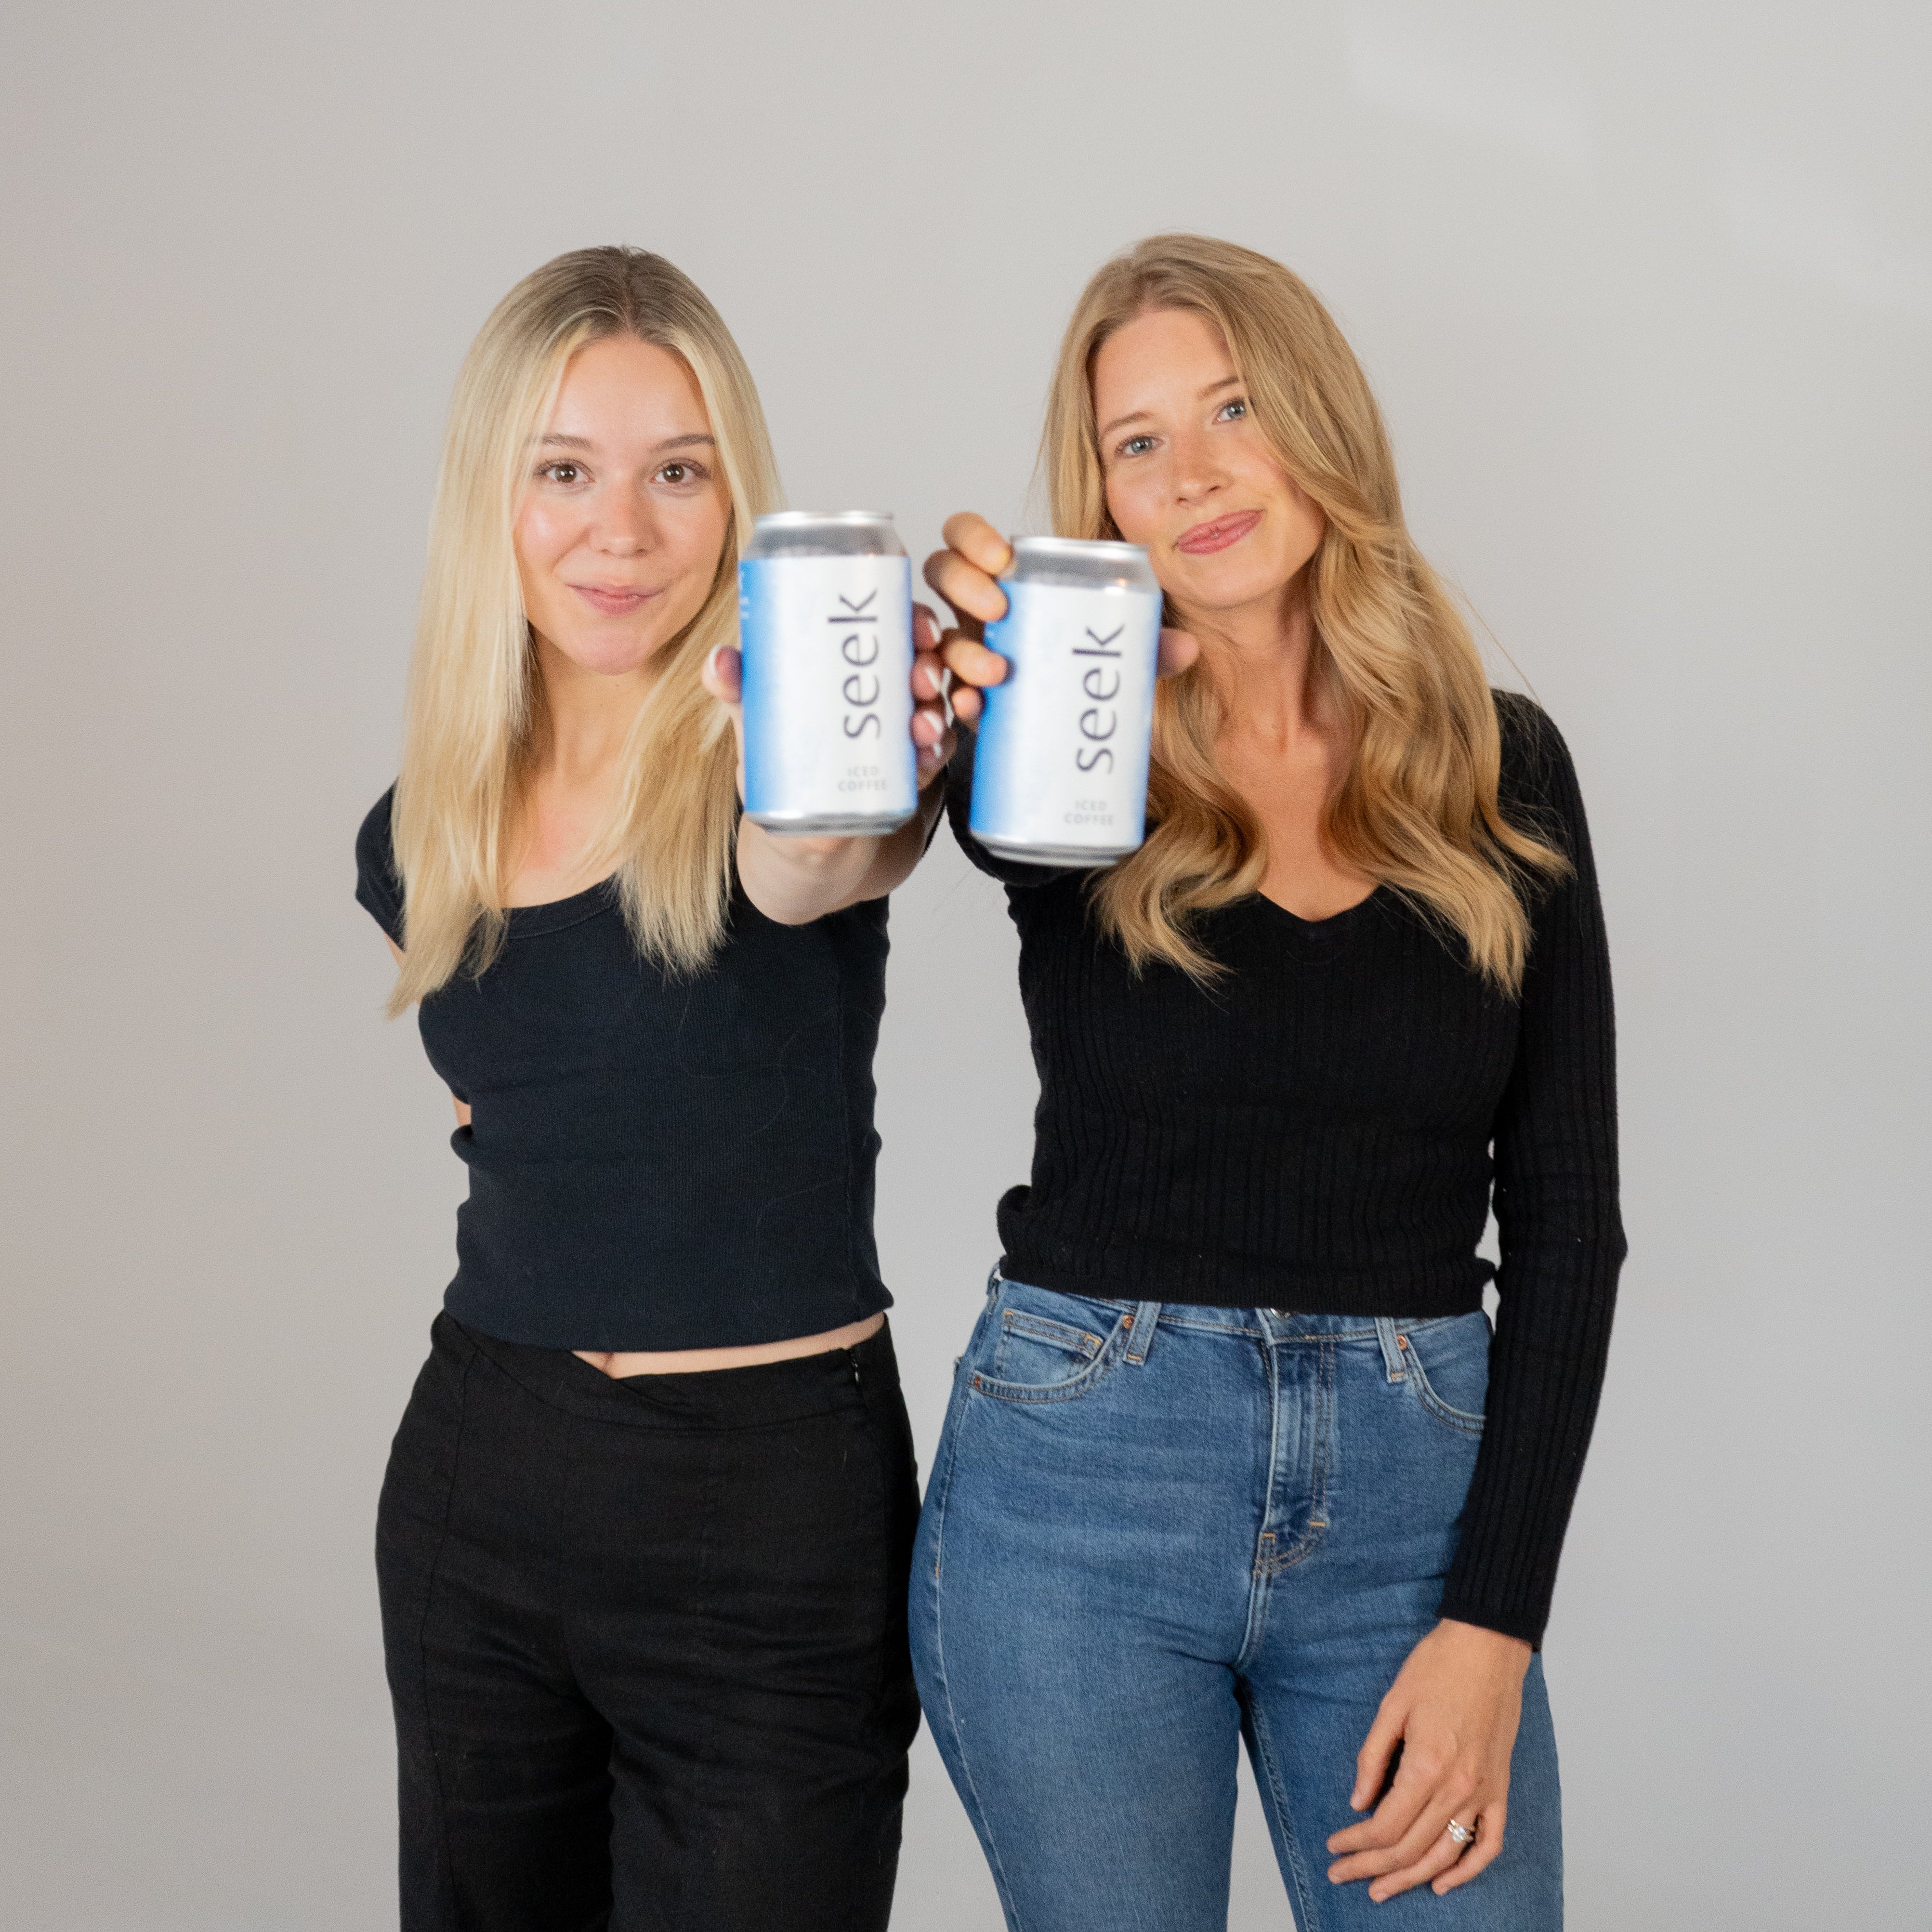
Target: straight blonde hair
475, 696
1417, 809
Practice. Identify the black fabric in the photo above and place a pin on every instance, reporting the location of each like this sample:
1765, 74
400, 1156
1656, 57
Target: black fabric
658, 1162
1323, 1130
646, 1642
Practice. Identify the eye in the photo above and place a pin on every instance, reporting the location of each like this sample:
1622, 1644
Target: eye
1135, 446
681, 473
563, 473
1233, 411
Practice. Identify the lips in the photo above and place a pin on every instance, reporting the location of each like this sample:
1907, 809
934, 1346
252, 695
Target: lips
1205, 538
613, 600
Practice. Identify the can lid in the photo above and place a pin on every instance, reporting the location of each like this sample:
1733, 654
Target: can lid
1094, 547
793, 520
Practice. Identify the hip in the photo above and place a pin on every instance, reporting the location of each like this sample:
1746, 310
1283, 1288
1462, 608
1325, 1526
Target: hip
537, 1463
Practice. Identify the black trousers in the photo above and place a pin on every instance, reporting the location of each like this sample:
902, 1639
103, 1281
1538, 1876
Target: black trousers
646, 1642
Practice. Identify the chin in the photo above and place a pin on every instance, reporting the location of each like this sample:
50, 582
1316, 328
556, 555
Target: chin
1231, 587
612, 657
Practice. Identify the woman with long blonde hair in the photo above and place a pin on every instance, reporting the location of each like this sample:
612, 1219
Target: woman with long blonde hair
642, 1545
1232, 1452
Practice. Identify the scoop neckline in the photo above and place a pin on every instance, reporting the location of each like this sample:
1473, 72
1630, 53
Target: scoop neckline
551, 915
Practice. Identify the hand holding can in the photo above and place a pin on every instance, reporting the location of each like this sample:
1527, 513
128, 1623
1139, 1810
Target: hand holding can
1060, 774
825, 626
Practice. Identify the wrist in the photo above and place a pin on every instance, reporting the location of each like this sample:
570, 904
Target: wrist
1479, 1639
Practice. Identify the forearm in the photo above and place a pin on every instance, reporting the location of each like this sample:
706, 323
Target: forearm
794, 881
1546, 1374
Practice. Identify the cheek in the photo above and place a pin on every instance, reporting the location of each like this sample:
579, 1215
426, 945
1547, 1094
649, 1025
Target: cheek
1134, 501
544, 536
695, 530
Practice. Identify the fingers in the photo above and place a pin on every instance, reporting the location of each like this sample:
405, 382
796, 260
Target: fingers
1178, 650
1482, 1853
977, 540
932, 758
1404, 1855
928, 671
967, 586
930, 735
1372, 1761
1367, 1849
973, 666
1425, 1852
1438, 1857
723, 675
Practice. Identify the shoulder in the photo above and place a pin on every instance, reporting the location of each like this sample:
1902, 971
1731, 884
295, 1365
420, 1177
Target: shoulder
375, 842
379, 887
1537, 771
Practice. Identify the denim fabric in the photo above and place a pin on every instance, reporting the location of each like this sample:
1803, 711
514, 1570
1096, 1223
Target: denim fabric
1152, 1530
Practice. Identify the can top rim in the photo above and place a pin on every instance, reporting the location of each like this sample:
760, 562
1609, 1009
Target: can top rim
786, 520
1079, 547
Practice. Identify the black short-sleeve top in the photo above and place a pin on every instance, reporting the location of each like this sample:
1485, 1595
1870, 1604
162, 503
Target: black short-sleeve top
658, 1162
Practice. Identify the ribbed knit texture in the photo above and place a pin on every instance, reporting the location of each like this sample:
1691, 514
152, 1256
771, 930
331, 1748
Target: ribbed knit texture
658, 1161
1316, 1132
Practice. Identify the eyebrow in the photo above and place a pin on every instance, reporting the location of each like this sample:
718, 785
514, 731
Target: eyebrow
1141, 416
555, 441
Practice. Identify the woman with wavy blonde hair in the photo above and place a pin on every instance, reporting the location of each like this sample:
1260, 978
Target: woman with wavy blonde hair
642, 1542
1232, 1452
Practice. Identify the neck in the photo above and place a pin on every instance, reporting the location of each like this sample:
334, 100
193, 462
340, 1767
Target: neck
1261, 656
587, 717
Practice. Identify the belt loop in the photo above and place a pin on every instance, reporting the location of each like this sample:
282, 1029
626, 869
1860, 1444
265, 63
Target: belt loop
994, 1283
1141, 1325
1392, 1346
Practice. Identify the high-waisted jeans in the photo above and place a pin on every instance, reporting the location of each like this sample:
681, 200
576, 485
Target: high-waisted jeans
1152, 1530
647, 1640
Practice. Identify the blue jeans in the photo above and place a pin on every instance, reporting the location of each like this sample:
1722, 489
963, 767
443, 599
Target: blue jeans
1152, 1529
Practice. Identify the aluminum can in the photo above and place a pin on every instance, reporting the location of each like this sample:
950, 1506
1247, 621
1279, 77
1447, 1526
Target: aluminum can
825, 624
1059, 771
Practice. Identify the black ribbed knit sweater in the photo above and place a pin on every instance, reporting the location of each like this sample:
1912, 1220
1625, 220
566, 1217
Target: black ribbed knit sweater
1322, 1130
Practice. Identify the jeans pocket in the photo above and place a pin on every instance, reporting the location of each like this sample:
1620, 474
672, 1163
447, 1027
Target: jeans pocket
1030, 1351
1448, 1362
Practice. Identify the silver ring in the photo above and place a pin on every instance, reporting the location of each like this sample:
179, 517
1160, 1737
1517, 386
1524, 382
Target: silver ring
1463, 1834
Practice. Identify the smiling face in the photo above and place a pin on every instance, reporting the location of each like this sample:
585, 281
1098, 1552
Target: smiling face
1189, 473
624, 516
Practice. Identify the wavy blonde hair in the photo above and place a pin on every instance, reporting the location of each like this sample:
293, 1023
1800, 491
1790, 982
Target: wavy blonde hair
475, 696
1417, 809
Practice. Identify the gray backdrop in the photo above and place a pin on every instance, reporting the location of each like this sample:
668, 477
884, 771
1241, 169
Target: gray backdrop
1646, 290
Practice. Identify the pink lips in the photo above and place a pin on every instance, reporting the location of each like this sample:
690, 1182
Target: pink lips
1205, 538
612, 601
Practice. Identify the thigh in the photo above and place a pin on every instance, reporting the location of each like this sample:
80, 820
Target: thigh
1339, 1624
747, 1642
1303, 1737
503, 1784
1079, 1591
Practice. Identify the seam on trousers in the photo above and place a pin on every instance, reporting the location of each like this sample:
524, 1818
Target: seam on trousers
981, 1818
1276, 1796
422, 1622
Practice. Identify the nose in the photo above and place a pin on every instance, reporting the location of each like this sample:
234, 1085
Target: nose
624, 525
1197, 475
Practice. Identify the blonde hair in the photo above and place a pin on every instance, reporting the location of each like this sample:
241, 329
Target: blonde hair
1417, 809
476, 697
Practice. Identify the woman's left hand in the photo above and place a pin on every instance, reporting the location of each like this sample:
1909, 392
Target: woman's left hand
1454, 1708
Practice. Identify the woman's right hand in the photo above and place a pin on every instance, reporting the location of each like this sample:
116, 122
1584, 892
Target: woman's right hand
965, 574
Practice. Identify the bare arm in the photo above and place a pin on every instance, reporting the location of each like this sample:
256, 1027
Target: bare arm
794, 881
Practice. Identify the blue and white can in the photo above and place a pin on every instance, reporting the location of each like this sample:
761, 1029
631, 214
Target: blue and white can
825, 624
1059, 770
